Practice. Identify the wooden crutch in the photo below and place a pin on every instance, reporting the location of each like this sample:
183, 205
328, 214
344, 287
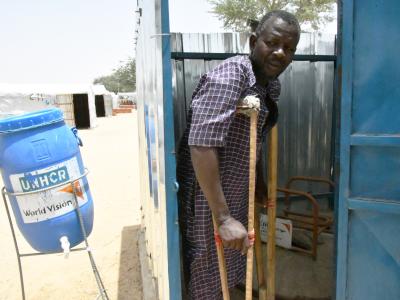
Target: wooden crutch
221, 262
262, 288
272, 175
252, 189
271, 205
249, 106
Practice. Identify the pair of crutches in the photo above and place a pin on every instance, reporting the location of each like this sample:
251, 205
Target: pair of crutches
253, 223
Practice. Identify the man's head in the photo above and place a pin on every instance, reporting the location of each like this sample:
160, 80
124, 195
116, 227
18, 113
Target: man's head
273, 44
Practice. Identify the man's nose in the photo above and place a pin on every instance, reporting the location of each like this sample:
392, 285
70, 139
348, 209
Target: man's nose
279, 53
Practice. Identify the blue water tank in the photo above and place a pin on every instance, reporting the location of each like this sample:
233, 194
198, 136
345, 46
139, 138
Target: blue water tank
38, 153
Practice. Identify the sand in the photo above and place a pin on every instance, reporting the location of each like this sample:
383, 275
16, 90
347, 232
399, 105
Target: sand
110, 153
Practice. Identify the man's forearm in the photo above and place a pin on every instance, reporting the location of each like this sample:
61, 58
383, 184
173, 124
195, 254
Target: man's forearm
206, 166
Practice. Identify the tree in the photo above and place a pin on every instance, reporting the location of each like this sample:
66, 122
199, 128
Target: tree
123, 79
237, 15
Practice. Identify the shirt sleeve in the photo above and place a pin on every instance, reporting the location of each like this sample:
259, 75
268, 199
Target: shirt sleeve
214, 105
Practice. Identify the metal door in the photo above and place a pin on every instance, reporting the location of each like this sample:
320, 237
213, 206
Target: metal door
368, 246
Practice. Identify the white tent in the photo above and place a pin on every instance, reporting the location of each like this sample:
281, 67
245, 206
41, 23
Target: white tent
76, 101
103, 100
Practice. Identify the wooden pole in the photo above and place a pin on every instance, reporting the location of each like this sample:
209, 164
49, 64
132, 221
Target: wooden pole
271, 204
252, 188
262, 289
221, 263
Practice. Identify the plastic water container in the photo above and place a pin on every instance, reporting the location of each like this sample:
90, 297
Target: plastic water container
38, 152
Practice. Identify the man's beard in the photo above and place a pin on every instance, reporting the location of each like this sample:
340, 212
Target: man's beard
258, 70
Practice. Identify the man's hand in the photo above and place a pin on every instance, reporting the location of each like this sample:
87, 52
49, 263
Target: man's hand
234, 235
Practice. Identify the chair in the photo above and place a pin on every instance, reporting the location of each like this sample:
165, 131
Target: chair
314, 221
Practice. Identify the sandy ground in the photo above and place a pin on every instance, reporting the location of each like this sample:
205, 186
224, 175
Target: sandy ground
110, 153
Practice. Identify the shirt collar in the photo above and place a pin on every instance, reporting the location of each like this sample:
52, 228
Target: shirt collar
252, 76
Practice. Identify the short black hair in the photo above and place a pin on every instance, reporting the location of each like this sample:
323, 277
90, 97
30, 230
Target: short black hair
284, 15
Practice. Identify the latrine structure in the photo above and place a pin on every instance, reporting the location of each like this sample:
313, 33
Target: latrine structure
338, 119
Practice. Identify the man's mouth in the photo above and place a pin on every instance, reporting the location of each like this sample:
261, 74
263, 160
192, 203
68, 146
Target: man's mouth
274, 65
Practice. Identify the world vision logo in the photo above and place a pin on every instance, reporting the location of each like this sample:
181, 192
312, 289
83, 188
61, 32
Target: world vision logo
70, 189
30, 182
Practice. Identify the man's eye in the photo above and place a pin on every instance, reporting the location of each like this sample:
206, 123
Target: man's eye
291, 50
270, 43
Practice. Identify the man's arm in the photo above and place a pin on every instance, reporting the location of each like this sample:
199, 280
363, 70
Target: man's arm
206, 166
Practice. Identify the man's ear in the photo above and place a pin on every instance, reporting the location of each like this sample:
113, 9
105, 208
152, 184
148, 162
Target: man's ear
252, 41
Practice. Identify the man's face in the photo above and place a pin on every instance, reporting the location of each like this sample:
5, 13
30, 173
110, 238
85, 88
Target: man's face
273, 50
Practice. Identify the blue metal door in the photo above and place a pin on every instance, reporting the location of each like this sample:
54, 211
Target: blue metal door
368, 246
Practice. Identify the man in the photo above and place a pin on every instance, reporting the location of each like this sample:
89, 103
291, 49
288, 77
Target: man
213, 157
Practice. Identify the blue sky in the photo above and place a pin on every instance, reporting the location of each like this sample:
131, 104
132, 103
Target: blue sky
75, 41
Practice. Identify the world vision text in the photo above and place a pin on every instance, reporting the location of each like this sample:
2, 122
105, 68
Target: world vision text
47, 209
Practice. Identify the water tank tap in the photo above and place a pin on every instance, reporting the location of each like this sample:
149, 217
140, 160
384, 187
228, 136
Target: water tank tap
65, 245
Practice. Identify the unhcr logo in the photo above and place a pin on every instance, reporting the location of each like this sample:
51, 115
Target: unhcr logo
30, 182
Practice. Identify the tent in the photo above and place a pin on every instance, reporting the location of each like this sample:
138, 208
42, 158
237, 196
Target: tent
76, 101
103, 101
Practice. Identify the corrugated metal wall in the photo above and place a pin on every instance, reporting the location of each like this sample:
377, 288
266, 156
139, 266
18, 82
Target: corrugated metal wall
155, 125
147, 59
305, 125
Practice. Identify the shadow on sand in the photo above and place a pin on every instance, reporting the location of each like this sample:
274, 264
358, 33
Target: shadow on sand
129, 279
